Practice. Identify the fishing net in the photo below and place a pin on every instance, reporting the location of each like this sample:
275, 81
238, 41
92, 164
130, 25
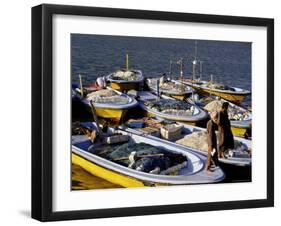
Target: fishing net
102, 93
126, 149
150, 163
78, 129
168, 85
174, 107
146, 157
234, 113
198, 141
107, 96
126, 75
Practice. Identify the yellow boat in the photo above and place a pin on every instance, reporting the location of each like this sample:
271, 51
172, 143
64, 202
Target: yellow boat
108, 175
173, 89
230, 93
122, 82
240, 131
113, 107
126, 79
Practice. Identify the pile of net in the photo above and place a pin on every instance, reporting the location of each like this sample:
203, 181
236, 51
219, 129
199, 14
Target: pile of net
172, 107
77, 129
198, 141
234, 113
126, 75
146, 158
167, 85
107, 96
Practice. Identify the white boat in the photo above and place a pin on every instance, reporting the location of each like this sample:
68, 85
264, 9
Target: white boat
195, 115
243, 158
238, 158
190, 173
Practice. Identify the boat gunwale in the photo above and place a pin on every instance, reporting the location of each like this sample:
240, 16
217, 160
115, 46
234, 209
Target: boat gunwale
243, 92
201, 115
132, 102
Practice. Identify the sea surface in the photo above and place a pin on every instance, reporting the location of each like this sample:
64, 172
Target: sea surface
98, 55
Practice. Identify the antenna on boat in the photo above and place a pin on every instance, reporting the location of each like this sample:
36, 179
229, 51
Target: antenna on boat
170, 70
181, 68
195, 63
195, 51
201, 69
127, 62
81, 85
158, 87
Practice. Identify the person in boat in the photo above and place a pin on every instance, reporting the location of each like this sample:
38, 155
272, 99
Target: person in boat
225, 136
212, 158
99, 84
163, 79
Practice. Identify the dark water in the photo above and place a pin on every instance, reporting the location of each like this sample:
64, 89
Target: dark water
99, 55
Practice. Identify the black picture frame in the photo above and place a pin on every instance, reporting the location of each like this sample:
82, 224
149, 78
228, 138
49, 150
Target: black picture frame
42, 111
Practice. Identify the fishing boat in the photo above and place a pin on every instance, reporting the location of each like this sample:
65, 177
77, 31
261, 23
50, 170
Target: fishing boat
116, 179
174, 89
108, 103
165, 85
125, 79
229, 93
194, 138
189, 171
169, 108
240, 118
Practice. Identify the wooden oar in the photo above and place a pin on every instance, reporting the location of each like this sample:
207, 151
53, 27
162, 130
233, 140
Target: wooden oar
95, 118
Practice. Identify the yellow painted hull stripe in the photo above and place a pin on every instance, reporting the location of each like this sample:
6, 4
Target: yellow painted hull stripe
106, 174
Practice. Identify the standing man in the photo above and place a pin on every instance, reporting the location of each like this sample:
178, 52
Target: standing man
226, 140
212, 159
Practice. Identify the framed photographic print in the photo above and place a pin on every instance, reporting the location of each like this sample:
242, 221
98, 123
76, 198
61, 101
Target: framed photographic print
146, 112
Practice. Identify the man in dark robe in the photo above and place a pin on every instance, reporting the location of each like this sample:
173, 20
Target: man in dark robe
225, 136
212, 158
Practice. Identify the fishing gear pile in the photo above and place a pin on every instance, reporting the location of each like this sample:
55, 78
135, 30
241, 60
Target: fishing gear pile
174, 107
